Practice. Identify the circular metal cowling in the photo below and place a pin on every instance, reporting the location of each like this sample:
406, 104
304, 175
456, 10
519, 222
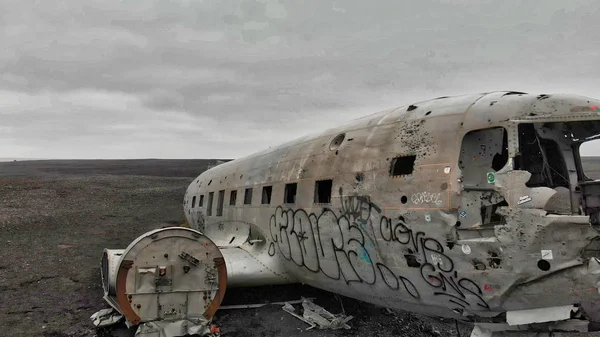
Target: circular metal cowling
169, 274
110, 259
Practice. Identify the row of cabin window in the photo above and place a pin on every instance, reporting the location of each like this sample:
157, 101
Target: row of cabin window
323, 190
402, 165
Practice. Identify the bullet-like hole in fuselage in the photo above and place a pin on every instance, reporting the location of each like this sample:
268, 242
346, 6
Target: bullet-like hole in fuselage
543, 265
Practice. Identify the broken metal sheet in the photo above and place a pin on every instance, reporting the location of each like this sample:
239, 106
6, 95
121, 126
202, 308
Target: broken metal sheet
480, 332
573, 326
112, 302
174, 328
496, 327
540, 315
535, 334
258, 305
290, 310
315, 315
472, 217
570, 325
560, 202
106, 317
594, 266
321, 321
110, 259
512, 186
324, 318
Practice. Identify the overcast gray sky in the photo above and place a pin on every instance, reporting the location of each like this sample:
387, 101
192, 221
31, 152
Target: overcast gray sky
218, 78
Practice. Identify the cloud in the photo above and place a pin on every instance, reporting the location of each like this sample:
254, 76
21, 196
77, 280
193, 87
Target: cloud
217, 78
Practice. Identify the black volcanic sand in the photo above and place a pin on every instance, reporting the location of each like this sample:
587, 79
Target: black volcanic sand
57, 216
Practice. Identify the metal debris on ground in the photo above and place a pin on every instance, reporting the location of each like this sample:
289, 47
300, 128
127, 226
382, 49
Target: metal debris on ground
200, 327
106, 317
317, 316
291, 310
258, 305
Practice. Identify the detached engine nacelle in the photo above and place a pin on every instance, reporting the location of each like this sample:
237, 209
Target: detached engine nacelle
169, 274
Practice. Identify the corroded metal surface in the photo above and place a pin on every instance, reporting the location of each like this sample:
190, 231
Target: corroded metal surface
455, 207
169, 274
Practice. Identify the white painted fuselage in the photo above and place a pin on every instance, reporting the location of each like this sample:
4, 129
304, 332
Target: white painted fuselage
391, 209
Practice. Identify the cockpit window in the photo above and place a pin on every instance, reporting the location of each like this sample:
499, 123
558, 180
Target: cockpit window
541, 155
590, 159
549, 151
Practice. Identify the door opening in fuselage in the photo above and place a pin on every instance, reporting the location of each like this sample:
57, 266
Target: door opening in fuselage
550, 151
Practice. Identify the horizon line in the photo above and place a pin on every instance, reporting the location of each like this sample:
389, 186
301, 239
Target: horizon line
149, 158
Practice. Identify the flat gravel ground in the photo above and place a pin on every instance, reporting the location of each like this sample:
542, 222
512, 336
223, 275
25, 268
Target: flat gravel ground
55, 222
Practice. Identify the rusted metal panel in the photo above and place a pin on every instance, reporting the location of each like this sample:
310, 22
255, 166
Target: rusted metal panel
171, 274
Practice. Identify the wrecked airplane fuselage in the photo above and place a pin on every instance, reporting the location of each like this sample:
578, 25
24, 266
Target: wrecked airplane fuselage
473, 207
464, 207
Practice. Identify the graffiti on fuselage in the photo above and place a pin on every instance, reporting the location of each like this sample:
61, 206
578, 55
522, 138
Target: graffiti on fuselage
436, 268
344, 246
420, 198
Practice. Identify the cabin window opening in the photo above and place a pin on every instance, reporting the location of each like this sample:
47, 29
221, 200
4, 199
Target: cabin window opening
337, 141
587, 168
483, 152
402, 165
490, 216
323, 191
500, 159
193, 201
233, 198
574, 140
266, 195
220, 203
290, 193
209, 203
201, 202
248, 196
542, 157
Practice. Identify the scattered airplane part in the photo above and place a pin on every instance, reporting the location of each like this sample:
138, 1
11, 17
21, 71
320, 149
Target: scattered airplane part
540, 315
317, 316
258, 305
167, 280
174, 328
106, 317
576, 328
108, 272
291, 310
562, 318
465, 207
323, 318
